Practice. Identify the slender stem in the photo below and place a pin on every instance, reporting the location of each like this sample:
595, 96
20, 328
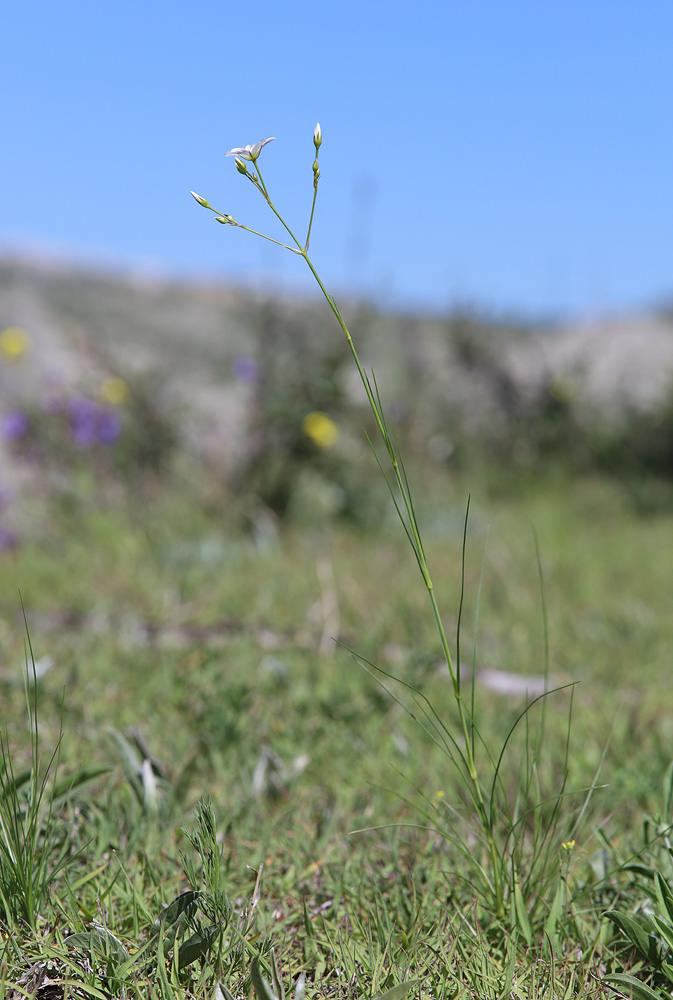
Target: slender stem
310, 221
275, 211
260, 179
465, 718
240, 225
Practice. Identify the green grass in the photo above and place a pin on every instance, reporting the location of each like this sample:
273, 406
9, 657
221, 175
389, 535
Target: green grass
177, 639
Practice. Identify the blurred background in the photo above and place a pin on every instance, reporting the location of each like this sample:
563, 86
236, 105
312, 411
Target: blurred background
492, 215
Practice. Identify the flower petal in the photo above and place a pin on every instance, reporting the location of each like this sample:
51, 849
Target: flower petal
250, 152
257, 148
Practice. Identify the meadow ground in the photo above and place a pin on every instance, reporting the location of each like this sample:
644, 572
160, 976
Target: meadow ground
215, 741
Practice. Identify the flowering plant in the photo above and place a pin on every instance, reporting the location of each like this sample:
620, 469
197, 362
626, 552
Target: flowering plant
495, 825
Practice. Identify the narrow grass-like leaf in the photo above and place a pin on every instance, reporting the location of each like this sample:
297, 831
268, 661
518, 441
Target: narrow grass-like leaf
166, 989
263, 990
521, 913
522, 715
668, 793
461, 602
545, 634
555, 915
473, 679
73, 987
276, 976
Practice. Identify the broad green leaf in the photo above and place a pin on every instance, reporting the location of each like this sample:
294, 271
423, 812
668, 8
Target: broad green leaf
300, 988
102, 942
197, 945
638, 869
664, 894
664, 929
10, 786
186, 902
398, 992
221, 993
65, 787
635, 932
175, 915
636, 989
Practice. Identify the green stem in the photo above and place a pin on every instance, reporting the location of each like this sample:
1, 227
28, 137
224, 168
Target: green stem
465, 720
310, 221
239, 225
275, 211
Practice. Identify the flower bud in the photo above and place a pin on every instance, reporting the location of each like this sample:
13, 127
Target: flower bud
240, 165
317, 136
226, 220
201, 201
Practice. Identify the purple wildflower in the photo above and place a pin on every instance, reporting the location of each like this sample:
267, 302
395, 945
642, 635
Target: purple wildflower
245, 368
91, 424
109, 426
82, 413
7, 539
15, 425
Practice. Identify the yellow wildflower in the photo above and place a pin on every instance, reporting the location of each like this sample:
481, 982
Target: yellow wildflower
114, 390
14, 341
321, 429
562, 388
568, 845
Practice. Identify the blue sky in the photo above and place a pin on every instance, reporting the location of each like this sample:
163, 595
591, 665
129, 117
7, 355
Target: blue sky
516, 155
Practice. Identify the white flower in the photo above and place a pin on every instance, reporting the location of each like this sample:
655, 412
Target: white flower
249, 152
317, 136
